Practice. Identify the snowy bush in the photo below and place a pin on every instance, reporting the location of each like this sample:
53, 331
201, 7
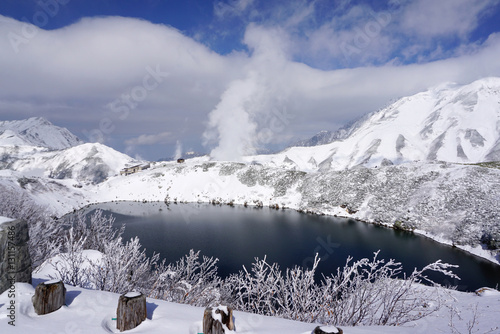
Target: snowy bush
368, 292
187, 281
364, 292
97, 230
69, 267
44, 230
123, 267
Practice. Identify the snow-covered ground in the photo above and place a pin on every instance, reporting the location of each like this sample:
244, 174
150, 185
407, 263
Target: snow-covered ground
90, 311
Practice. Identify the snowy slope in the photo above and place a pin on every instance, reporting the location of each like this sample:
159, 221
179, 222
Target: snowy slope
92, 162
36, 131
36, 147
446, 123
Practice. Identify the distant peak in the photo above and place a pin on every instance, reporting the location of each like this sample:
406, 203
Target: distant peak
40, 120
38, 131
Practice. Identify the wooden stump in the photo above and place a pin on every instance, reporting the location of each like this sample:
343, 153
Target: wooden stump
327, 330
217, 320
49, 297
131, 311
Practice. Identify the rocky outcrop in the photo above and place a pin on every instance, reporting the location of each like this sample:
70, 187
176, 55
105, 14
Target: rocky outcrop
15, 261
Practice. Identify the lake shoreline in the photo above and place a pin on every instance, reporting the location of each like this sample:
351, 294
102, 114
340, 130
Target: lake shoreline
477, 251
138, 209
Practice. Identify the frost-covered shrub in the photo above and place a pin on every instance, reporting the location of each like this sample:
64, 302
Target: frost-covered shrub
69, 267
188, 281
44, 230
364, 292
230, 168
97, 230
123, 267
266, 290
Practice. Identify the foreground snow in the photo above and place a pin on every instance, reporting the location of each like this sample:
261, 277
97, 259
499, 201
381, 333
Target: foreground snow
90, 311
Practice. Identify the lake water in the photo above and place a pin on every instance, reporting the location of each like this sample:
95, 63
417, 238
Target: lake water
236, 235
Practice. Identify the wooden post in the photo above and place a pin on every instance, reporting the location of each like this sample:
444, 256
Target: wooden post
216, 321
131, 311
49, 297
327, 330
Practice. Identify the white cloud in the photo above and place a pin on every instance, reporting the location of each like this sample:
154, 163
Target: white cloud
430, 18
232, 8
72, 75
158, 139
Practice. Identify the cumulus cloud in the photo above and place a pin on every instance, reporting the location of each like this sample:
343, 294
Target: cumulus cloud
159, 138
428, 18
148, 139
86, 67
232, 8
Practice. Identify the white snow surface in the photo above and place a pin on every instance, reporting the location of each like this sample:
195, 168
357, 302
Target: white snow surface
329, 329
91, 311
5, 220
88, 163
132, 294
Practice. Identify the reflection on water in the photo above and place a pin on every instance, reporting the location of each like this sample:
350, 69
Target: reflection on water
236, 235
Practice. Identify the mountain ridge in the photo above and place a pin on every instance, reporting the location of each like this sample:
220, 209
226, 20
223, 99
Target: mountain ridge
452, 123
36, 131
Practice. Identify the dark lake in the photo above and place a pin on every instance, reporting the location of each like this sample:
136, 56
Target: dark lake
236, 235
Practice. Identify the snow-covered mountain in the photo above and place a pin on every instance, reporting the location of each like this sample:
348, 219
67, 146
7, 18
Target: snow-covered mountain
36, 131
36, 147
91, 162
326, 137
321, 138
447, 123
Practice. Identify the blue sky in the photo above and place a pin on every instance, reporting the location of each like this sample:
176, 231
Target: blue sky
149, 77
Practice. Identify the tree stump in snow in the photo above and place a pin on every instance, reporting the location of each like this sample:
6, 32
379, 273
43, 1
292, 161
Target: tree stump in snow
49, 297
327, 330
131, 311
217, 320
